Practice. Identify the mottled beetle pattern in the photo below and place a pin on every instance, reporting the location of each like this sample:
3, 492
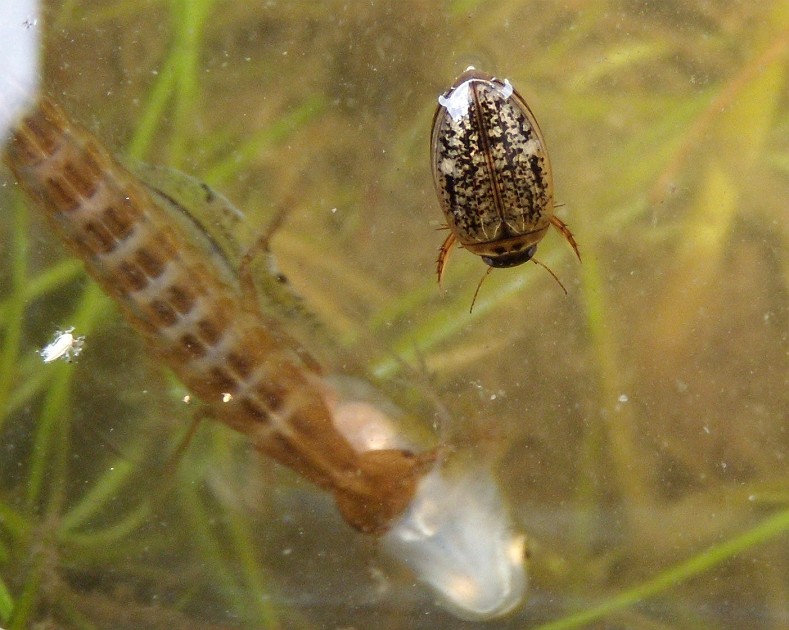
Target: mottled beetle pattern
491, 172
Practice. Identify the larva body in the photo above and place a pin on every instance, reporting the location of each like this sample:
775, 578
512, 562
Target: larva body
254, 377
491, 172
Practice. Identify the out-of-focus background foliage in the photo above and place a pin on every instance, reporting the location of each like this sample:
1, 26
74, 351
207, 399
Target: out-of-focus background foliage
638, 425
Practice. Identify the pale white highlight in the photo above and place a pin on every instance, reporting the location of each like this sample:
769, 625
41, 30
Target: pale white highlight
20, 33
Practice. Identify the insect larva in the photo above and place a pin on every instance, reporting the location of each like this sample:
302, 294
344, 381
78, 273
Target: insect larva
252, 375
451, 529
491, 172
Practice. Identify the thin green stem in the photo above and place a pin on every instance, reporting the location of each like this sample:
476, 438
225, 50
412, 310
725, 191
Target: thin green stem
9, 352
189, 17
771, 527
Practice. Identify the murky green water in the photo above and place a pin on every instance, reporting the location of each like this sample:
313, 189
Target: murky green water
638, 425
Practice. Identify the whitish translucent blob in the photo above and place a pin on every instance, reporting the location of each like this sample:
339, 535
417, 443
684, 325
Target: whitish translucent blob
458, 539
20, 27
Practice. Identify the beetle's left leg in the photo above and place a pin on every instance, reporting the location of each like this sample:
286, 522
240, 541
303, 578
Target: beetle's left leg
565, 231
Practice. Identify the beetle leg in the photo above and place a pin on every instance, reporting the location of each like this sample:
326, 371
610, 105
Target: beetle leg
565, 231
443, 255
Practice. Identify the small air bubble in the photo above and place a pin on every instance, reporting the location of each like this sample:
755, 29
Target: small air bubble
507, 90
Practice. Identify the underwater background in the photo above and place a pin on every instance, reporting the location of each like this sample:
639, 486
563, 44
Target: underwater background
639, 426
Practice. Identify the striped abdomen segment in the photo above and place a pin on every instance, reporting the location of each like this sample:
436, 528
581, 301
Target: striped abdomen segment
175, 292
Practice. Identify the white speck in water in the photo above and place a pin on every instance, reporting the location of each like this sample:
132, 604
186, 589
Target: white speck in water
287, 551
227, 397
334, 210
187, 399
707, 430
623, 398
64, 346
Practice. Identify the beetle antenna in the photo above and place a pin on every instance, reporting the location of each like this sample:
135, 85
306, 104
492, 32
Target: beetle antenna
481, 280
548, 269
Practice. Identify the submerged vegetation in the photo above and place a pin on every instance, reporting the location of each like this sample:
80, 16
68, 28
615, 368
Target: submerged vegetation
638, 425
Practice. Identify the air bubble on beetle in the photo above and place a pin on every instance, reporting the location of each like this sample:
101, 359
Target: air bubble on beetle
507, 90
456, 102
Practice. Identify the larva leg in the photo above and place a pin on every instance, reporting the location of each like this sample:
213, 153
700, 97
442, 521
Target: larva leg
276, 289
565, 231
443, 255
204, 413
261, 246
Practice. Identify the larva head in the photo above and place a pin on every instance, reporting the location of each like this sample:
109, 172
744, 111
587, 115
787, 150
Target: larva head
491, 169
457, 538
